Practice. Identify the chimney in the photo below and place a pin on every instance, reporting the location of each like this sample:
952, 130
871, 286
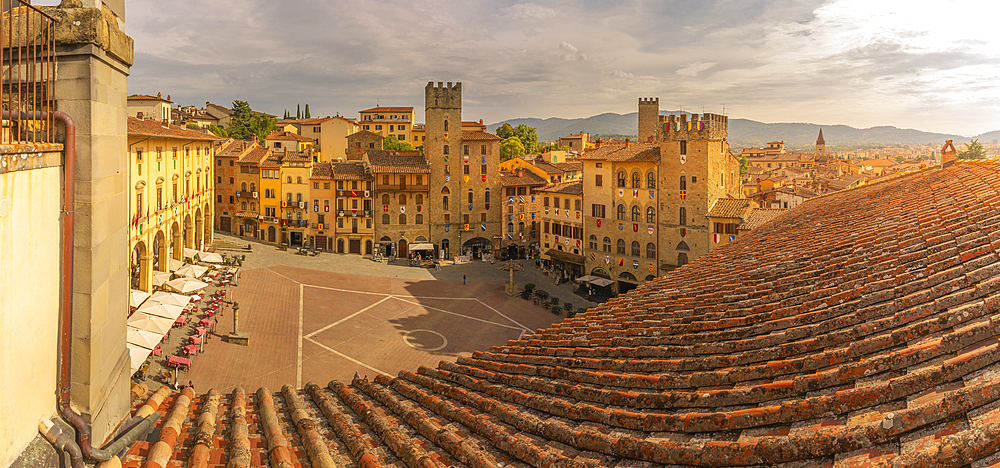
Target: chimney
627, 142
480, 121
168, 97
158, 95
597, 144
948, 154
138, 115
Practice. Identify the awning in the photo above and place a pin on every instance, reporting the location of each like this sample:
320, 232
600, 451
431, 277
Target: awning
186, 285
164, 297
162, 310
175, 264
421, 247
191, 271
602, 282
587, 278
144, 321
142, 338
136, 297
210, 257
565, 257
160, 277
189, 253
137, 356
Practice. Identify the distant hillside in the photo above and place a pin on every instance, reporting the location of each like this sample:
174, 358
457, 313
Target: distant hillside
989, 136
744, 132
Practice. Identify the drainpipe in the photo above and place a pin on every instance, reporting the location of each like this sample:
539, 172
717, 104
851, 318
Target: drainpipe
83, 445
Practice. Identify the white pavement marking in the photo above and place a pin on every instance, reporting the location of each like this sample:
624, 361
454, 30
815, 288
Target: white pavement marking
504, 316
338, 353
463, 316
338, 322
298, 363
409, 335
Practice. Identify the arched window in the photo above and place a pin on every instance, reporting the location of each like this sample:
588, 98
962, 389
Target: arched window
418, 199
635, 249
683, 246
684, 183
289, 179
636, 214
446, 125
486, 196
385, 199
650, 181
402, 199
621, 211
683, 215
635, 180
385, 218
592, 242
621, 178
444, 203
253, 206
253, 187
510, 227
470, 197
445, 190
402, 218
243, 206
520, 227
650, 250
650, 215
621, 246
419, 219
298, 180
606, 245
243, 186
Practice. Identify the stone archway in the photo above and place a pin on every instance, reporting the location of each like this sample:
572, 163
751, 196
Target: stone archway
207, 221
141, 267
188, 232
197, 230
176, 240
161, 259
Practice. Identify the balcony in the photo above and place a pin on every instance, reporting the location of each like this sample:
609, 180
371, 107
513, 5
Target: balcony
401, 188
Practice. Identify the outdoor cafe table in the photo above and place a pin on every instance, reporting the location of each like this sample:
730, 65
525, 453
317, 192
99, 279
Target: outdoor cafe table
201, 330
191, 349
181, 320
177, 361
206, 323
195, 340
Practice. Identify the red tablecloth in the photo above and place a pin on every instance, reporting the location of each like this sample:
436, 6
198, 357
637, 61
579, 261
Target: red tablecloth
177, 361
191, 349
181, 320
205, 322
195, 339
201, 330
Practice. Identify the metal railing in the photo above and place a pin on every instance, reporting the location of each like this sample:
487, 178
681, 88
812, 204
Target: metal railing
27, 44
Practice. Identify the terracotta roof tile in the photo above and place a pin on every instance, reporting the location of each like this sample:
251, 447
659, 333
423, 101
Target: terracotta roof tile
730, 208
387, 161
632, 152
858, 331
510, 179
351, 171
476, 135
156, 128
279, 135
758, 216
255, 155
388, 109
322, 171
573, 187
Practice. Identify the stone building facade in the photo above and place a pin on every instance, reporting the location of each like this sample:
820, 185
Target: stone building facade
649, 119
562, 235
355, 215
401, 199
359, 142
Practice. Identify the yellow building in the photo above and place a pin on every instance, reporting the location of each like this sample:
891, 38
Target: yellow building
296, 168
330, 135
281, 142
150, 107
418, 134
247, 191
395, 121
173, 193
562, 240
269, 201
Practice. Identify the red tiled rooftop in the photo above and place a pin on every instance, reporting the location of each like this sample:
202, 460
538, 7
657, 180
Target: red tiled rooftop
859, 331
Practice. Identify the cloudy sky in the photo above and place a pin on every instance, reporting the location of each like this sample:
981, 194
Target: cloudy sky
920, 64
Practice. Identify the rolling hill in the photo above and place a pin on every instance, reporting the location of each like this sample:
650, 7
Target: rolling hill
745, 132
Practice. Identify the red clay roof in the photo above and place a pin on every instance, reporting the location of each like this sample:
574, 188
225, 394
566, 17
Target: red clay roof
156, 128
859, 331
633, 152
396, 162
476, 135
388, 109
573, 187
511, 179
146, 97
279, 135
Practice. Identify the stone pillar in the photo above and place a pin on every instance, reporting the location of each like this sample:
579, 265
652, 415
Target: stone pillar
177, 247
146, 272
94, 57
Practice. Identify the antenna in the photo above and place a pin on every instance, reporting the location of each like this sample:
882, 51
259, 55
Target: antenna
376, 102
723, 108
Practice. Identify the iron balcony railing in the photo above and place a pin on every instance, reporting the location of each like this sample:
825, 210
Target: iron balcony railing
27, 42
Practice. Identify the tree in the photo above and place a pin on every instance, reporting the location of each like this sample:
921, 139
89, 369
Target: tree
218, 131
511, 148
245, 123
973, 150
505, 131
528, 137
298, 111
286, 114
553, 147
744, 165
307, 111
391, 143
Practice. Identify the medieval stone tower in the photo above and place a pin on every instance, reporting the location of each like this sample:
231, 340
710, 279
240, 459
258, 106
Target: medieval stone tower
464, 183
820, 148
696, 169
649, 119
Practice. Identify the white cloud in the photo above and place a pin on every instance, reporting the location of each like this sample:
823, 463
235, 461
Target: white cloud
694, 68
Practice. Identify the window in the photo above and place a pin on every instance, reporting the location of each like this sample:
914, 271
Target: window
683, 246
402, 218
621, 179
253, 206
482, 217
621, 212
218, 198
555, 202
520, 226
402, 199
694, 179
684, 184
545, 201
635, 249
482, 169
138, 155
684, 147
418, 199
651, 181
683, 216
419, 219
566, 203
636, 214
482, 149
510, 227
385, 198
545, 227
253, 187
289, 196
326, 185
466, 169
650, 250
465, 218
470, 197
298, 180
592, 244
231, 181
316, 185
289, 178
378, 127
385, 218
447, 169
465, 150
597, 211
577, 204
606, 245
444, 203
243, 206
621, 246
521, 190
635, 180
230, 199
650, 215
218, 179
385, 179
445, 129
445, 149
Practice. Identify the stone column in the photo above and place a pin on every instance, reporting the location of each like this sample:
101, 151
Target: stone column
94, 57
146, 272
177, 247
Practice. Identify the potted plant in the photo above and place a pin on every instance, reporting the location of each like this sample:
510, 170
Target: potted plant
529, 287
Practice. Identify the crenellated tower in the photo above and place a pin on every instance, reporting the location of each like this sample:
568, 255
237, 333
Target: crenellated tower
649, 112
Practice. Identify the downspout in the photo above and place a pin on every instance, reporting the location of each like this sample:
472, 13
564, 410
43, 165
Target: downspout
66, 309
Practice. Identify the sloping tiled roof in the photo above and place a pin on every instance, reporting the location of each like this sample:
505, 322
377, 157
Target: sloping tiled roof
156, 128
568, 166
632, 152
758, 216
350, 171
510, 179
860, 332
730, 208
573, 187
322, 171
388, 109
477, 135
271, 163
382, 161
146, 97
255, 156
279, 135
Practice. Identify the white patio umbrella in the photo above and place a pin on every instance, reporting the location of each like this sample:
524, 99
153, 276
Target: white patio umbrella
586, 278
153, 323
186, 285
164, 297
189, 253
162, 310
191, 271
136, 297
138, 355
601, 282
160, 277
142, 338
175, 264
210, 257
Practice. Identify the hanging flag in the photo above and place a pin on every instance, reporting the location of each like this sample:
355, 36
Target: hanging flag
651, 194
510, 236
484, 177
532, 215
577, 215
465, 227
510, 217
557, 211
683, 232
354, 193
715, 237
621, 192
465, 158
326, 208
418, 208
593, 256
402, 209
510, 199
447, 228
621, 262
354, 212
578, 242
651, 267
470, 207
546, 210
732, 238
521, 198
557, 239
368, 193
466, 178
521, 216
635, 194
598, 222
316, 208
482, 226
447, 179
607, 259
487, 206
635, 227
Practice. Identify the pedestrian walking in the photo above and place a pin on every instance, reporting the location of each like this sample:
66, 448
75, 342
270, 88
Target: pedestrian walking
463, 279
